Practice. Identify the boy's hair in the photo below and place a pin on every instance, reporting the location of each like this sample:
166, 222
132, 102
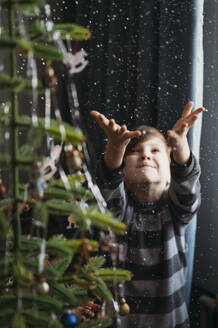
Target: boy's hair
147, 131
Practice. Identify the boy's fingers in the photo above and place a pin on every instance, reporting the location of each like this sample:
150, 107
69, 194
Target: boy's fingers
172, 135
194, 114
192, 120
111, 122
122, 129
94, 113
188, 108
133, 134
103, 122
198, 111
99, 117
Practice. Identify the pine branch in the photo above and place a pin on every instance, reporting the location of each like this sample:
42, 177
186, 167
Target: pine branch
75, 190
39, 50
72, 179
39, 31
97, 323
31, 3
102, 220
95, 262
60, 207
75, 32
71, 244
3, 226
65, 294
62, 264
6, 316
35, 319
44, 302
108, 275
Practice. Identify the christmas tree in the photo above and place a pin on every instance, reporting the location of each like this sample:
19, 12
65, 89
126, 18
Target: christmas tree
45, 282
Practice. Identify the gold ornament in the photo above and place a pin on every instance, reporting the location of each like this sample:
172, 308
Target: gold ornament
71, 222
43, 287
124, 307
73, 159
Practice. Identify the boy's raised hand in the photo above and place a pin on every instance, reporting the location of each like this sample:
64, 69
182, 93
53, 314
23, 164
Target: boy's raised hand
117, 134
118, 138
177, 137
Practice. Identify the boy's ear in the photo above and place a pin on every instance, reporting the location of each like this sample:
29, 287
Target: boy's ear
168, 179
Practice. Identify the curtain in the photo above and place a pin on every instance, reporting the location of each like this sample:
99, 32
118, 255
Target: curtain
145, 64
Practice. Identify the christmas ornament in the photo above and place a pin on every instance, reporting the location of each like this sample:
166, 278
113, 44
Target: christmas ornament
109, 244
75, 63
37, 183
43, 287
71, 222
73, 159
124, 307
2, 189
48, 166
49, 80
84, 250
69, 319
87, 309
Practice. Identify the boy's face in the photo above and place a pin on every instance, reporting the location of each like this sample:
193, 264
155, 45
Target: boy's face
148, 163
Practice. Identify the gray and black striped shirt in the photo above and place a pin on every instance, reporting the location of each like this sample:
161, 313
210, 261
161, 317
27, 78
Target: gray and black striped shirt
155, 245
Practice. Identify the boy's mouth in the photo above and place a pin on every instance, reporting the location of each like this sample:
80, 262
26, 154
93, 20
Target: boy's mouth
146, 165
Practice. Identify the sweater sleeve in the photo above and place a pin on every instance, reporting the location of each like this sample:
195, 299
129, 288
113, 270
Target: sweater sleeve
184, 191
112, 188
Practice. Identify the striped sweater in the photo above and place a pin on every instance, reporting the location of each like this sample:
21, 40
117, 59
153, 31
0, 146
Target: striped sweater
155, 245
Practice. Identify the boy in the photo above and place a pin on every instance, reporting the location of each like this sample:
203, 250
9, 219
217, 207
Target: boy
156, 194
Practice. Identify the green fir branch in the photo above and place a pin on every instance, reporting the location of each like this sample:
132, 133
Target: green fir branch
72, 245
64, 293
39, 319
40, 50
62, 264
43, 302
39, 31
72, 179
26, 3
73, 136
3, 226
57, 193
72, 31
47, 52
76, 192
101, 220
59, 207
97, 323
110, 276
94, 263
6, 316
5, 161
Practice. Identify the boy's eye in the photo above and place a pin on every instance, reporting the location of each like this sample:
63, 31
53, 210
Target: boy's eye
155, 150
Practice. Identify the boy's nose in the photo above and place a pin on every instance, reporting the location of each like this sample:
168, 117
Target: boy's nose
144, 157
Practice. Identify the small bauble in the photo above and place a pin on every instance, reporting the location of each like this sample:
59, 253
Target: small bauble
73, 160
43, 287
124, 307
69, 319
49, 81
2, 190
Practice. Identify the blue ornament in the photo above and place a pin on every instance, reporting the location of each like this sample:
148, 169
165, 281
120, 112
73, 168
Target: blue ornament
69, 319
